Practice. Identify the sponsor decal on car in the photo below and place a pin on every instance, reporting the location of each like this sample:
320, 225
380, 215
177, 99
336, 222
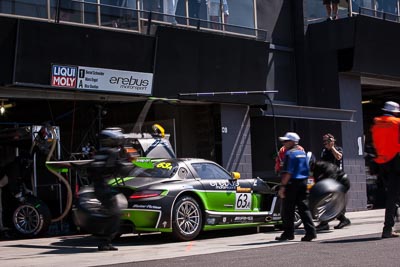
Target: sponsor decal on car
243, 189
138, 206
143, 162
224, 185
243, 219
164, 165
243, 201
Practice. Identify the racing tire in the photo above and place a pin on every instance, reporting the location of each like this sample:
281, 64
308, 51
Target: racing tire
297, 222
32, 218
327, 199
187, 219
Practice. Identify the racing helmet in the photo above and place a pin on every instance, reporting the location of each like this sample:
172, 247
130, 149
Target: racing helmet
111, 137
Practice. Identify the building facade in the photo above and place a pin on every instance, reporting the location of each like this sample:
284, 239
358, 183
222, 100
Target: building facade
225, 78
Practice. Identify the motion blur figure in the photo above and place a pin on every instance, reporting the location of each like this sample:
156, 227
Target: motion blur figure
106, 161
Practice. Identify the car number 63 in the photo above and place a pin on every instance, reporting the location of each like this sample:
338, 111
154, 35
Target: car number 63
243, 201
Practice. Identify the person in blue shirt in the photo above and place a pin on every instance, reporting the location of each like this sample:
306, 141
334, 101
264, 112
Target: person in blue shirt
293, 189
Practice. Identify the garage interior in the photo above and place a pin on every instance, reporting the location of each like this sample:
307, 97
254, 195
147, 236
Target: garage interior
79, 121
375, 92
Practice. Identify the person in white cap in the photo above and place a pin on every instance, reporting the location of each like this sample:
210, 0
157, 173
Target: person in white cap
386, 140
293, 189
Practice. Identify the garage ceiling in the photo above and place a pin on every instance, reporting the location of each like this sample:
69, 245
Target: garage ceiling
380, 90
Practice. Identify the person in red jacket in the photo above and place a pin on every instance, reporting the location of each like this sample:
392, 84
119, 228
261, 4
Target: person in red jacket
280, 158
386, 140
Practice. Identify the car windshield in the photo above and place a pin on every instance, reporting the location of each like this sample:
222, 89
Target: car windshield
161, 169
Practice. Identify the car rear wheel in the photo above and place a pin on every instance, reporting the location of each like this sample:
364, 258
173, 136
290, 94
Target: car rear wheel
187, 219
32, 218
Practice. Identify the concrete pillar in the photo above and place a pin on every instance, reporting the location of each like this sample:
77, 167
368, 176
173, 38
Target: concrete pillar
236, 141
352, 141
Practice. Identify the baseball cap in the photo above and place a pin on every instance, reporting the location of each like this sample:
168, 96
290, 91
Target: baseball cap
391, 106
290, 136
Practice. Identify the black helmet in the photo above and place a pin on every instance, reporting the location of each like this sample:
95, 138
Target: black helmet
111, 137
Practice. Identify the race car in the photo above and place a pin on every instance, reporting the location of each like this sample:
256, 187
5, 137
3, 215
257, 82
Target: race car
185, 196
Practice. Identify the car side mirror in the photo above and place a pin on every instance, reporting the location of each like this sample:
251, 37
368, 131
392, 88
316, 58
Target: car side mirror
235, 175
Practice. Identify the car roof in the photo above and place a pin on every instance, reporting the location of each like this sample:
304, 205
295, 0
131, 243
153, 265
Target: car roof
191, 160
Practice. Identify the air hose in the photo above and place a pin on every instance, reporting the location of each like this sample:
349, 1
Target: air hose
62, 179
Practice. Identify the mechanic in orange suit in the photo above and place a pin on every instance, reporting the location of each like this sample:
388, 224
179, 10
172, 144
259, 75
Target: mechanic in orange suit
386, 140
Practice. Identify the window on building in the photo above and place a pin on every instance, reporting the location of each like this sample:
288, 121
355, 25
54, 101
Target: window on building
316, 11
74, 11
227, 15
387, 9
29, 8
236, 16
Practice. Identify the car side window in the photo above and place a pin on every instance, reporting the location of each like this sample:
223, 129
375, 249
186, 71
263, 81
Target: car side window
183, 172
210, 171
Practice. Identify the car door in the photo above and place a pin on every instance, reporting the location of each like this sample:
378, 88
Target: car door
221, 189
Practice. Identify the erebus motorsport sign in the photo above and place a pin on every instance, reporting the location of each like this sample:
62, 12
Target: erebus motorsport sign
99, 79
114, 81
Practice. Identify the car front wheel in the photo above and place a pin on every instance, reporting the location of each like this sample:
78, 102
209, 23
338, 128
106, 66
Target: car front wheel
297, 220
187, 219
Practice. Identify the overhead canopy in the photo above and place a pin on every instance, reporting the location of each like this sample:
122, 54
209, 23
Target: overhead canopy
26, 92
310, 113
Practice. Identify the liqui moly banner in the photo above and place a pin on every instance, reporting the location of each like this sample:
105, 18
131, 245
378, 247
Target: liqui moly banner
64, 76
99, 79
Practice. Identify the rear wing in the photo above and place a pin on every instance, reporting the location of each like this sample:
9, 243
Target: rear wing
150, 146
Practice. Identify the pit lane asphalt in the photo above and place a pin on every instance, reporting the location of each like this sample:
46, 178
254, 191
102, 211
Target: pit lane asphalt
356, 245
367, 250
